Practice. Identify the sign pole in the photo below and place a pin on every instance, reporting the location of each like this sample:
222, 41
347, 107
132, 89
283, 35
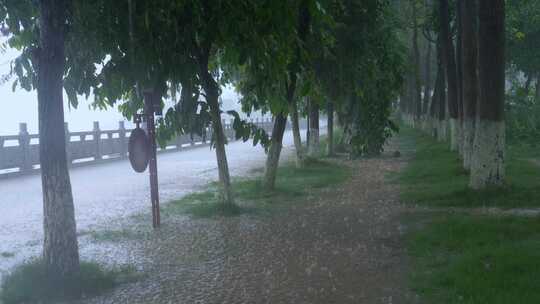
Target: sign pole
151, 129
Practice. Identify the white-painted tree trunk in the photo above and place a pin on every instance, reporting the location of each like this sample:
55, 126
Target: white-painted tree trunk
425, 124
60, 247
487, 165
468, 142
432, 127
295, 125
460, 131
442, 130
454, 134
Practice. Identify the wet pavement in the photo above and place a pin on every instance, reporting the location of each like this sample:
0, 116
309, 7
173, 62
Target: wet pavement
108, 193
338, 245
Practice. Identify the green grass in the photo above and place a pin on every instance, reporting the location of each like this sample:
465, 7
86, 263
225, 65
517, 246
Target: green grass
115, 235
524, 150
29, 283
291, 185
204, 204
466, 258
435, 177
476, 259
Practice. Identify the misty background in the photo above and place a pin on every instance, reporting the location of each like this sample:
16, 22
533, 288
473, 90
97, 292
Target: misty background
21, 106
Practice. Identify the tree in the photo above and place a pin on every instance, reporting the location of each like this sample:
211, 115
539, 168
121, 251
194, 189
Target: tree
330, 128
416, 66
459, 70
212, 92
487, 167
522, 44
427, 80
369, 70
313, 116
523, 36
449, 62
60, 250
441, 95
271, 79
468, 12
295, 125
303, 24
42, 66
192, 47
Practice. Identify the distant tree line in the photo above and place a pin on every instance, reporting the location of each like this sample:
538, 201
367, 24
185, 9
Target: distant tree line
467, 103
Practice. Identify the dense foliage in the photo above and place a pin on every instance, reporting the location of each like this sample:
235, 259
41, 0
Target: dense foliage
523, 74
522, 109
363, 73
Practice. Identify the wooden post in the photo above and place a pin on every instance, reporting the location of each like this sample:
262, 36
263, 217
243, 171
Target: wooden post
149, 101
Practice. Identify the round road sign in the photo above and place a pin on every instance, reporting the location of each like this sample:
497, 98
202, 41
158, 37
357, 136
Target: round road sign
139, 150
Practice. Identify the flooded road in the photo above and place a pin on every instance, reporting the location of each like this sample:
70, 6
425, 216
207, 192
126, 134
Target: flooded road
107, 193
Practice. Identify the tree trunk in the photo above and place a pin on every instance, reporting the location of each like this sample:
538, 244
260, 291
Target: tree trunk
435, 103
410, 104
442, 126
60, 250
313, 147
417, 81
293, 109
441, 96
272, 159
330, 129
448, 55
428, 85
487, 167
427, 81
459, 69
401, 104
469, 51
276, 143
212, 94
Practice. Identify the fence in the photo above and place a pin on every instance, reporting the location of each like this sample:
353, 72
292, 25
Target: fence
19, 154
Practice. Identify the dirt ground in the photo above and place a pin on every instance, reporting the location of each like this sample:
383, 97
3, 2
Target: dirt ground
342, 245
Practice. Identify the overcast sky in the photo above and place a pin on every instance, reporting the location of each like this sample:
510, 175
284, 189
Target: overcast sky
21, 106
